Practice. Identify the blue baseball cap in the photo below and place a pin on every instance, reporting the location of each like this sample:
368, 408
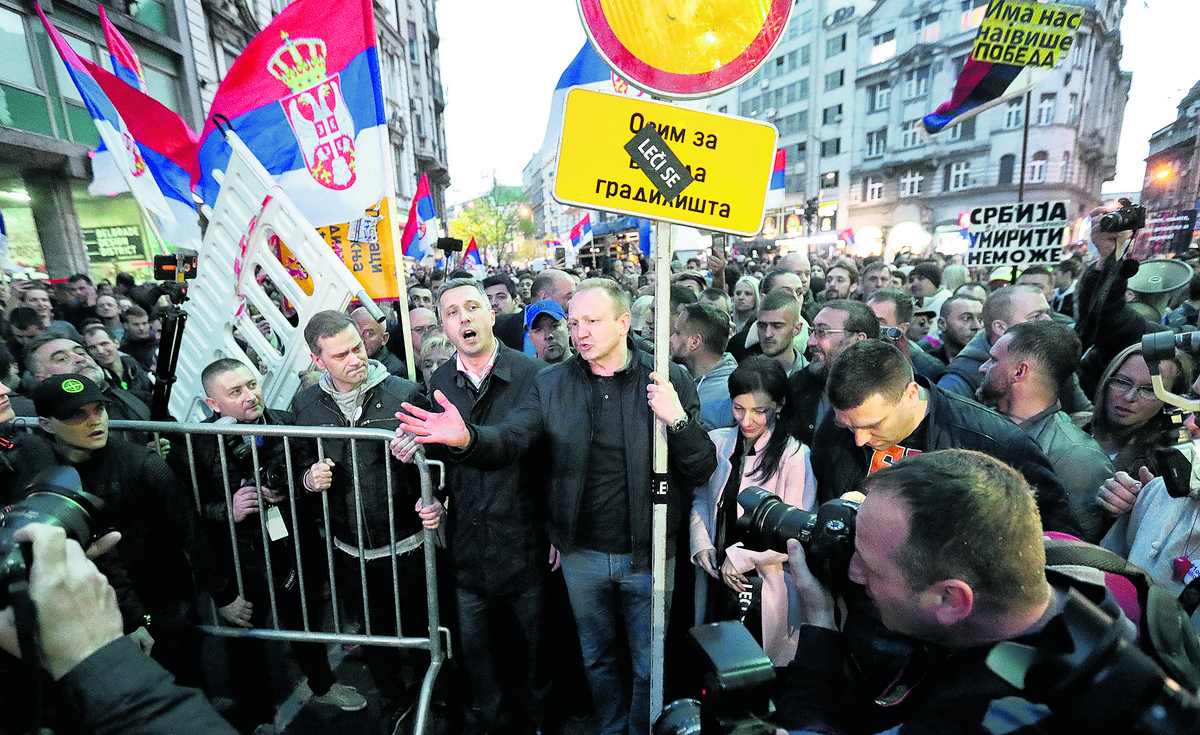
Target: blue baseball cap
545, 306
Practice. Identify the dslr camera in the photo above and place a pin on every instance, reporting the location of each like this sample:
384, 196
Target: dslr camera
1128, 217
827, 534
55, 498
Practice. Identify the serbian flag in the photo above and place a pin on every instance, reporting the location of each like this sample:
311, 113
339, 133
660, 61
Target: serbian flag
581, 233
586, 70
472, 262
775, 189
150, 143
981, 86
125, 61
305, 96
420, 232
106, 177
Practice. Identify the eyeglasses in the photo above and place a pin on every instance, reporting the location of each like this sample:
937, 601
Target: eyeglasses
892, 334
1144, 392
820, 333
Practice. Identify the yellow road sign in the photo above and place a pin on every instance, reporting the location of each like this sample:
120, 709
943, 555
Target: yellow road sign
730, 159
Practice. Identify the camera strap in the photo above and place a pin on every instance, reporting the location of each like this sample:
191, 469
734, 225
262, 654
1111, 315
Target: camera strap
29, 641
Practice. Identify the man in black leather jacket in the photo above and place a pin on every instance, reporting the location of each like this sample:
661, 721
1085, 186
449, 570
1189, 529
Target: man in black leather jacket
597, 411
881, 415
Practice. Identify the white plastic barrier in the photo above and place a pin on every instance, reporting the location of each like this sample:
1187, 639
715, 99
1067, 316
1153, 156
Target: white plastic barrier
249, 211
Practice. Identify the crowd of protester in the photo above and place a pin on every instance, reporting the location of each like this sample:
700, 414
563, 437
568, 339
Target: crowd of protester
800, 374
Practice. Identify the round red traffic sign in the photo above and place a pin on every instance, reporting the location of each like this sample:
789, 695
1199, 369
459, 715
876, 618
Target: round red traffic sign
684, 50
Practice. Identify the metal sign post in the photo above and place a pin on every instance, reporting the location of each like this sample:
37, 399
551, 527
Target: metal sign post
658, 549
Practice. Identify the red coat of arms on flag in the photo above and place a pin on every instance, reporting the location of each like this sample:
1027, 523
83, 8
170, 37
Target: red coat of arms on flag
316, 110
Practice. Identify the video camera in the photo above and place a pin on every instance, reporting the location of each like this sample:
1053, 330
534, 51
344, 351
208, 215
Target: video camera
1180, 470
55, 498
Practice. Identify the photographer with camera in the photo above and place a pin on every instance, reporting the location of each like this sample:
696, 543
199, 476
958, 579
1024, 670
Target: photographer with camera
235, 395
883, 415
163, 542
1106, 323
948, 548
104, 678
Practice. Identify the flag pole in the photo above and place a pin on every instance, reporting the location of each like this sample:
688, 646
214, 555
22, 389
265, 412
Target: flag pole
393, 210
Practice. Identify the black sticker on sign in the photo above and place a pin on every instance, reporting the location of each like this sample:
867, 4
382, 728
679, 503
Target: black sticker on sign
660, 164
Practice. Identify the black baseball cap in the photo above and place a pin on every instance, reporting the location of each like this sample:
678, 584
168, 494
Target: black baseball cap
61, 396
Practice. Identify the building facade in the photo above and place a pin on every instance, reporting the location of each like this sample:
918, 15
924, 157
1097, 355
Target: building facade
909, 189
186, 48
847, 87
46, 134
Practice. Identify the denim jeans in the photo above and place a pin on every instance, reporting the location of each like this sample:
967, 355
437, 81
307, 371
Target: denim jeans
508, 696
604, 590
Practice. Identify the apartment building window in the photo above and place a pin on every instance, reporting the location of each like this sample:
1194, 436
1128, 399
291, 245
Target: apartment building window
958, 176
916, 82
972, 13
883, 47
1045, 109
1080, 50
831, 147
414, 53
805, 55
829, 180
872, 190
910, 183
831, 115
801, 90
1014, 114
835, 45
1066, 166
1037, 168
879, 96
910, 134
1007, 163
1072, 108
926, 28
965, 130
835, 79
877, 142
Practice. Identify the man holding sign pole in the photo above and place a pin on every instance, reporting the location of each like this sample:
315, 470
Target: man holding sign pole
599, 495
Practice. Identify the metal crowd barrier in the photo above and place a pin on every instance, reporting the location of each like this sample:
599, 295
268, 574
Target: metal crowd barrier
437, 642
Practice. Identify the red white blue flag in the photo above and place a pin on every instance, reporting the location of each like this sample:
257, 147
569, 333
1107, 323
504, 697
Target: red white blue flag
125, 61
107, 179
472, 261
775, 189
152, 145
420, 232
981, 86
581, 233
471, 255
306, 98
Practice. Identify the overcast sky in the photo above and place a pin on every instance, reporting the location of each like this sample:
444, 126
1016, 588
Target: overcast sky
501, 60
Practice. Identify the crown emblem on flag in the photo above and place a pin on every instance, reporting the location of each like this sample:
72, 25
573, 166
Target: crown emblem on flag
298, 63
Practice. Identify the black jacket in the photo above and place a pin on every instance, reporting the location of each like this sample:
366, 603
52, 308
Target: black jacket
315, 407
808, 400
119, 689
158, 524
497, 517
953, 423
558, 407
210, 481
